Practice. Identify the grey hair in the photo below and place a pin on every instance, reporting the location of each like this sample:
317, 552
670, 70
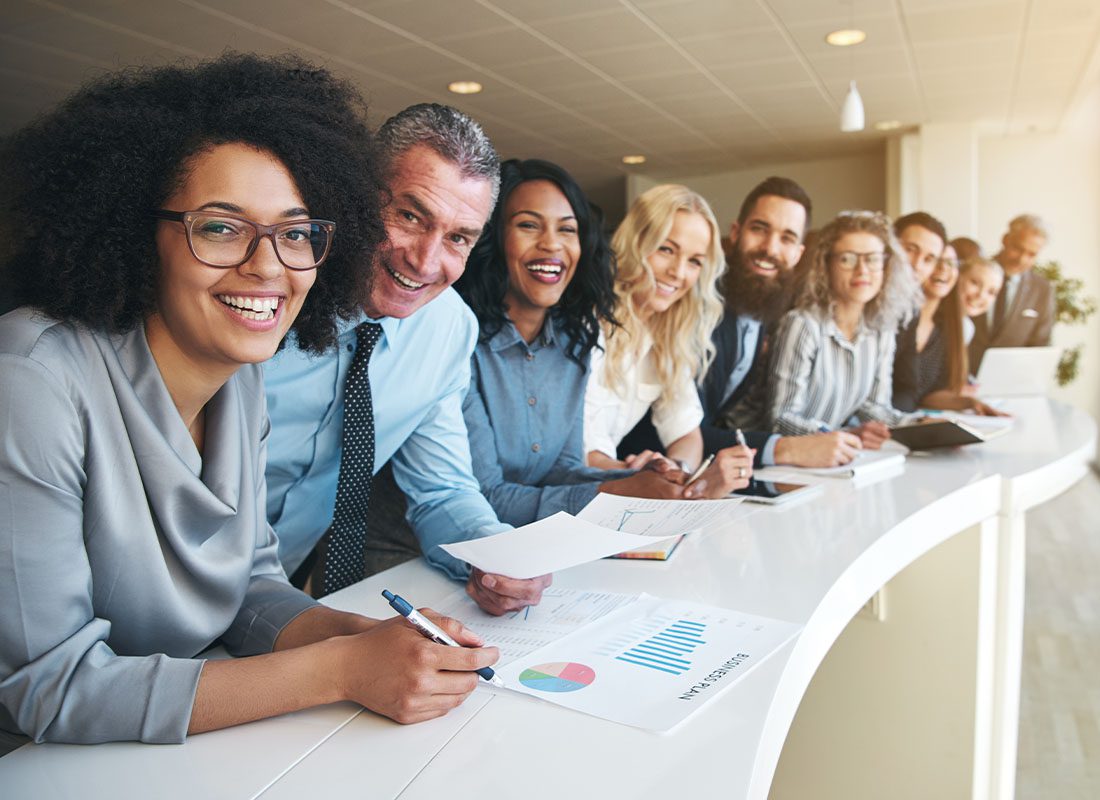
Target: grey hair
1028, 222
900, 297
447, 131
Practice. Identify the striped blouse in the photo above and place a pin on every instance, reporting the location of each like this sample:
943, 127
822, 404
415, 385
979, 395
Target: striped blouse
820, 379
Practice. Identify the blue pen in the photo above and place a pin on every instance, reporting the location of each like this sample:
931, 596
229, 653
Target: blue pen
430, 630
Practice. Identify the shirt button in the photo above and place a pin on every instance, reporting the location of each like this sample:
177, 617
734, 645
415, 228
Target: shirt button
351, 347
530, 356
535, 447
531, 401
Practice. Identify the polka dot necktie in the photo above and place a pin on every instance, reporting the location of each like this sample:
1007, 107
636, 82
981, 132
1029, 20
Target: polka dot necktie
341, 562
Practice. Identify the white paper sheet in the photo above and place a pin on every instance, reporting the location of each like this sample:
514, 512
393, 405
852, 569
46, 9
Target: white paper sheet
561, 612
890, 458
546, 546
651, 664
647, 517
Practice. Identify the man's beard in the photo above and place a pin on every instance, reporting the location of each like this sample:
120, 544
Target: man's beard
752, 295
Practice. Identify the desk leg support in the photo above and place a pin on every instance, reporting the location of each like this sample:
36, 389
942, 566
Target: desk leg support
1008, 655
904, 708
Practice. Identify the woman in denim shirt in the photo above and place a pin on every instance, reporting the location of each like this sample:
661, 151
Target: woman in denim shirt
540, 283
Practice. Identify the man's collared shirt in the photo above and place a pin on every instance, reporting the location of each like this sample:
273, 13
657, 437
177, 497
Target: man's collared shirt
748, 333
419, 373
1010, 288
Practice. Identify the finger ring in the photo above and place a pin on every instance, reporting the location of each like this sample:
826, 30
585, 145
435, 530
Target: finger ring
740, 472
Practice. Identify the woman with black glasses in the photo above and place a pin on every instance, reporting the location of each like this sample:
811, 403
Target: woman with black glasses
833, 355
172, 226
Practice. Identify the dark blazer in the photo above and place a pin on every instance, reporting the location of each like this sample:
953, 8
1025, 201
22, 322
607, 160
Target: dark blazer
727, 347
1027, 322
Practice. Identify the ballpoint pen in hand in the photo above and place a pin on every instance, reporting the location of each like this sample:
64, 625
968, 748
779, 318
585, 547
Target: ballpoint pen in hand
698, 472
740, 438
430, 630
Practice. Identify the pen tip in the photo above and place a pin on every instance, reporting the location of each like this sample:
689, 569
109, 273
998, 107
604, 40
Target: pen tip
496, 681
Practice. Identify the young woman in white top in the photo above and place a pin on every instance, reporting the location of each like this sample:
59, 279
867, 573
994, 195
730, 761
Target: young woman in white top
669, 258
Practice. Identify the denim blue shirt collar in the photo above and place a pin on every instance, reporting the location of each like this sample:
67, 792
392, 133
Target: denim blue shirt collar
508, 336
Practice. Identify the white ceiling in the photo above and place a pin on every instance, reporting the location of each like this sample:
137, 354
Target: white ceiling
694, 85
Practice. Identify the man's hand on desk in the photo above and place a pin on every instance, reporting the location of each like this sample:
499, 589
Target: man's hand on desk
498, 595
393, 670
818, 449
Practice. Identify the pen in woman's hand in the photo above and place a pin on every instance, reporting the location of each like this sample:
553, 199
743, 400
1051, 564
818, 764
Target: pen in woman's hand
430, 630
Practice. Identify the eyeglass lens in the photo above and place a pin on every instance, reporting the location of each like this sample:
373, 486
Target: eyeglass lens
226, 241
847, 259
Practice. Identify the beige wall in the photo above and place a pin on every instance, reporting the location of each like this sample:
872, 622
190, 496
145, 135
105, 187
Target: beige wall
1056, 176
833, 184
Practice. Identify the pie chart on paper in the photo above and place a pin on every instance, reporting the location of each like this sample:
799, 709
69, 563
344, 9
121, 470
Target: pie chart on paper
562, 676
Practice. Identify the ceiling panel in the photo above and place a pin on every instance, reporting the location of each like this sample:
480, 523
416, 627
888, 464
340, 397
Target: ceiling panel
726, 49
497, 49
614, 28
966, 22
540, 10
708, 83
681, 20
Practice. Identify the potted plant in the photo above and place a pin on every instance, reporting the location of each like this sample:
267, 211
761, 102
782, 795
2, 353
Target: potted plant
1072, 307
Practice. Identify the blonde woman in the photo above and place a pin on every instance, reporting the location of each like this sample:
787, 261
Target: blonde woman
669, 258
833, 355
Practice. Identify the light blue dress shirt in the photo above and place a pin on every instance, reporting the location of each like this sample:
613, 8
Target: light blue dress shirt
748, 333
525, 416
419, 373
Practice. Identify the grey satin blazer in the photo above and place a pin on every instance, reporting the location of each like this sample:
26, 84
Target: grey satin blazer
123, 554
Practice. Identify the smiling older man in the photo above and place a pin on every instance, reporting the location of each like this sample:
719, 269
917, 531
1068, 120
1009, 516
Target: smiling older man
394, 385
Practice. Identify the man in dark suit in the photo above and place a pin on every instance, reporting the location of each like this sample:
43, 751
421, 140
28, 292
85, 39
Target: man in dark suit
1023, 313
765, 245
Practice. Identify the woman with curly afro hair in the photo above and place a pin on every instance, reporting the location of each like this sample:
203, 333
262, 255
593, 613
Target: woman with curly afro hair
166, 228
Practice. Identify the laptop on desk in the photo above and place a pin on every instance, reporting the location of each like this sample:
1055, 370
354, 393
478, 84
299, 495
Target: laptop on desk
1018, 371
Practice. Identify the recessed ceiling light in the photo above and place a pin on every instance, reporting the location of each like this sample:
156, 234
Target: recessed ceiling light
845, 37
888, 125
464, 87
633, 159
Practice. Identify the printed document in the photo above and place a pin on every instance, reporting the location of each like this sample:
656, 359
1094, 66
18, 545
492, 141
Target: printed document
559, 613
650, 664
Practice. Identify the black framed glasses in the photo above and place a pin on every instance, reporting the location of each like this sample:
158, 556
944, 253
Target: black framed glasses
223, 240
847, 260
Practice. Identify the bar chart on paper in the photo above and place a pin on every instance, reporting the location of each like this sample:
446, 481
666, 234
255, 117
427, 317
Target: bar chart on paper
669, 650
650, 664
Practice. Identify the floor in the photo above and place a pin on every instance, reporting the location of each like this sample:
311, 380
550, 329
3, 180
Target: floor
1059, 752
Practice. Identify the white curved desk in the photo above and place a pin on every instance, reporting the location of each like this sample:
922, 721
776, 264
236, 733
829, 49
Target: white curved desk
926, 700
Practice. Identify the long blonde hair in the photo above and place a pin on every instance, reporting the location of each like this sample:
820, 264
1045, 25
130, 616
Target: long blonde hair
681, 335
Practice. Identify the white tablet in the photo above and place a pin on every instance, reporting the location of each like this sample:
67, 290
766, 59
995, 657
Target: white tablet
1017, 371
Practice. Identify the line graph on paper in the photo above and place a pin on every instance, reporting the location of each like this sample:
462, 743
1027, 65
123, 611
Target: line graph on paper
629, 514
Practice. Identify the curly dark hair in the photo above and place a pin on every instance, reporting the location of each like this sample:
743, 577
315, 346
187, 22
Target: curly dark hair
590, 296
79, 183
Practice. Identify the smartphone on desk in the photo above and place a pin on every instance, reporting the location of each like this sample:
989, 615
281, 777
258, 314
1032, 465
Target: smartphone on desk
775, 492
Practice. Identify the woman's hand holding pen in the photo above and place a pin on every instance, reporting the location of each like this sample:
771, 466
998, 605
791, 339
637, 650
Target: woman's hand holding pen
730, 470
394, 671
